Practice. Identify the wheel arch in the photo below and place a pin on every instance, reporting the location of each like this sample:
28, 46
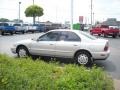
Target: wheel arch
82, 50
21, 45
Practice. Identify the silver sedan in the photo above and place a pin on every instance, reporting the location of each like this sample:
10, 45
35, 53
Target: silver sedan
80, 46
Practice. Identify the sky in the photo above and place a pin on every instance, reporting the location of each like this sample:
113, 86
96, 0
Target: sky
59, 10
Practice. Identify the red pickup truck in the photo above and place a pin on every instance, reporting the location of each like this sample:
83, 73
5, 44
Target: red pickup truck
105, 31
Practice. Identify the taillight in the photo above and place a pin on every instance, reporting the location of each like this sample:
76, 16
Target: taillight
106, 46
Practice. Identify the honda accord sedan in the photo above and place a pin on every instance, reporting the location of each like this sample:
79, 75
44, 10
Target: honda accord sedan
75, 44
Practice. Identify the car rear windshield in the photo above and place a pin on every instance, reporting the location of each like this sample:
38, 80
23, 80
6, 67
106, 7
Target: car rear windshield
88, 36
4, 24
17, 25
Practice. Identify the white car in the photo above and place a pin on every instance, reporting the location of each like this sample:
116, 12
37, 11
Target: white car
80, 46
19, 28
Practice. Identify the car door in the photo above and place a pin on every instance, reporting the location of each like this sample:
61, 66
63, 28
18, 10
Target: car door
45, 45
68, 43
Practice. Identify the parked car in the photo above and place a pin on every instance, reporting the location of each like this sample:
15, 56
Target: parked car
82, 47
19, 28
105, 30
26, 27
40, 27
6, 28
31, 28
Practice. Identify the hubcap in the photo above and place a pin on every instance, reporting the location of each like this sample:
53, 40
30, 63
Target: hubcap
82, 59
22, 53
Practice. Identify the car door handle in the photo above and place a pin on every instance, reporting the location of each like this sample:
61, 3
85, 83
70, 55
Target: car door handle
75, 45
51, 44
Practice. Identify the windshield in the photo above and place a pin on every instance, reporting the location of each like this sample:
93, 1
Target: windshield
4, 24
17, 25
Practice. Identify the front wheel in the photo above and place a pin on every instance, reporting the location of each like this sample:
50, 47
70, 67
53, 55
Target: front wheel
2, 33
83, 58
22, 52
11, 33
23, 32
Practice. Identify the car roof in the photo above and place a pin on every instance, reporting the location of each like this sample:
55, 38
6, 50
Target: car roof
76, 31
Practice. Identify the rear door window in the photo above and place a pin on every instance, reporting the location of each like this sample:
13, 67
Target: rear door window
69, 36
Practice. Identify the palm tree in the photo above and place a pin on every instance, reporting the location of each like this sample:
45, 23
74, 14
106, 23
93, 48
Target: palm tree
34, 11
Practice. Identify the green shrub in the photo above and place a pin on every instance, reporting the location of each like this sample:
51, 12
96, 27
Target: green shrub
26, 74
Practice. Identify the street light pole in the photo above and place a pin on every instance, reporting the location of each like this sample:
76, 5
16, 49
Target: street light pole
19, 11
71, 26
33, 2
91, 13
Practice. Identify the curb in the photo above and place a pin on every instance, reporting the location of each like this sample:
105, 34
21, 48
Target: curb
116, 84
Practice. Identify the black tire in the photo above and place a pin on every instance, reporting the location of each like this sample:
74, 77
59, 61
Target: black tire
2, 33
23, 50
23, 32
83, 58
99, 34
105, 35
11, 33
114, 35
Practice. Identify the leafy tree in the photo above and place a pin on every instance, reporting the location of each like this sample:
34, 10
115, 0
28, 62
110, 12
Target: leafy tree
4, 20
34, 11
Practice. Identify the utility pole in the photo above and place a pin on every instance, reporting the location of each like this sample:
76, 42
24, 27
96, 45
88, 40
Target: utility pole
33, 15
93, 18
19, 11
91, 12
71, 26
33, 2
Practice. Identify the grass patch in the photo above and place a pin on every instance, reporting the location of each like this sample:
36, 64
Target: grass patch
26, 74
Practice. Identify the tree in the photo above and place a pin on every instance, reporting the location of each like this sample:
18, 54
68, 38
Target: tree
4, 20
34, 11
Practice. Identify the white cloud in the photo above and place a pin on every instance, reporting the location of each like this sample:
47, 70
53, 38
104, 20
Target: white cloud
59, 10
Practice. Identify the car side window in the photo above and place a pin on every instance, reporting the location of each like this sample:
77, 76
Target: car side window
73, 37
63, 36
69, 36
51, 36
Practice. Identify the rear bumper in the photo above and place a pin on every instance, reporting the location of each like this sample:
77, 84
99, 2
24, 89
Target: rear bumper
101, 55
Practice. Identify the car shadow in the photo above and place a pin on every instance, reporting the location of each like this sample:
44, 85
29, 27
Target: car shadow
106, 65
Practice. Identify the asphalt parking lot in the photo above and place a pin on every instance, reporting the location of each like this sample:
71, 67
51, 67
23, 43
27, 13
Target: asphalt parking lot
111, 65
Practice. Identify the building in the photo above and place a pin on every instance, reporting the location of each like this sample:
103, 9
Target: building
111, 22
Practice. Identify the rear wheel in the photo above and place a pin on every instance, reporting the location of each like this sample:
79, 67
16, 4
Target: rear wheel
83, 58
105, 35
22, 52
0, 32
114, 36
